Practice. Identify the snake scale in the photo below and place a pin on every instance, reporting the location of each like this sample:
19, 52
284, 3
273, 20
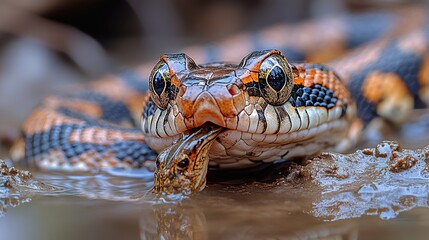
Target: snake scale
221, 115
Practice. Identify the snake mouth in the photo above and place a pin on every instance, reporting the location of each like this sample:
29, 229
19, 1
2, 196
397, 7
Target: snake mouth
207, 130
182, 167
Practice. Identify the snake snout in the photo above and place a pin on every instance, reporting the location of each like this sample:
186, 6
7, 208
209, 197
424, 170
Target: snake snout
207, 110
207, 102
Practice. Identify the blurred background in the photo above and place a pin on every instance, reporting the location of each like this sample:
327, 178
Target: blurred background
48, 45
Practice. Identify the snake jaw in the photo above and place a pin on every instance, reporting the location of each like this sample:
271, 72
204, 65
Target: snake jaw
182, 167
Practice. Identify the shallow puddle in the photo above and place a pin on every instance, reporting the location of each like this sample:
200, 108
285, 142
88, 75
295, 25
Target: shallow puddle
110, 206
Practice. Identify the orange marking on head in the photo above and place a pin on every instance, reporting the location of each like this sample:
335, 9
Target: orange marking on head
317, 76
248, 77
226, 105
298, 75
253, 64
175, 81
214, 104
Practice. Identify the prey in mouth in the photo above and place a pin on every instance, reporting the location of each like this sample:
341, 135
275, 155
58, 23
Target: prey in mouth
182, 167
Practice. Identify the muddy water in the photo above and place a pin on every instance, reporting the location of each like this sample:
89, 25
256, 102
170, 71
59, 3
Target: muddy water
377, 204
115, 208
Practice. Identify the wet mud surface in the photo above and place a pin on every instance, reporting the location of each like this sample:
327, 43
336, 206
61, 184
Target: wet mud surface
334, 195
382, 181
17, 186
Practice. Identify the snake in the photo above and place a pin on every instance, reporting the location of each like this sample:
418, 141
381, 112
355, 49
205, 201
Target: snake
185, 118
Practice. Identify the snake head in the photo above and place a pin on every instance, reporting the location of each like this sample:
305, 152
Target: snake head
182, 167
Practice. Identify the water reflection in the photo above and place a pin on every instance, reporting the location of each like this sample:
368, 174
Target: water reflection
173, 221
103, 205
113, 185
181, 221
377, 199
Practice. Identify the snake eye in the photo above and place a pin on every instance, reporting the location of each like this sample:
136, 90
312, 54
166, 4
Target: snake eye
183, 163
159, 84
275, 80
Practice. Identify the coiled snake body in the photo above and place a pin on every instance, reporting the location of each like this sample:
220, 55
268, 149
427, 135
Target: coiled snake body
264, 109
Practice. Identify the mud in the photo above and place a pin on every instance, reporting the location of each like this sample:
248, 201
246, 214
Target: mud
334, 195
369, 164
382, 181
16, 187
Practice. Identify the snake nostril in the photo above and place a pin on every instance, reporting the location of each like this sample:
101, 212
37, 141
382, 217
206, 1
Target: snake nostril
233, 89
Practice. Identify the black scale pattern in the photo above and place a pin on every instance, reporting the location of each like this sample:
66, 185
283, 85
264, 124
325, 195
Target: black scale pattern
316, 95
58, 138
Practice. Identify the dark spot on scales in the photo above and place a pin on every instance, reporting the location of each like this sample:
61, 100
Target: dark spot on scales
262, 119
281, 113
284, 155
166, 118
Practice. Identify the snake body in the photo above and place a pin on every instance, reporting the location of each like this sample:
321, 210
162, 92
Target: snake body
268, 108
